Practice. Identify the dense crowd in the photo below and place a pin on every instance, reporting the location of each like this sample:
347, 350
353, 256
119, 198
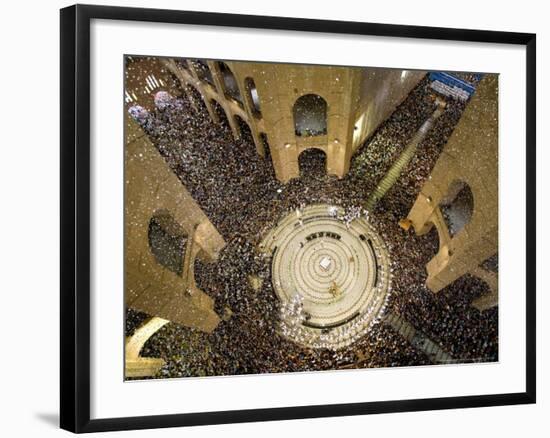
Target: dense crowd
238, 191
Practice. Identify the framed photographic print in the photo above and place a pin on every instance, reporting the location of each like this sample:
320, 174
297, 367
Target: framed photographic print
271, 218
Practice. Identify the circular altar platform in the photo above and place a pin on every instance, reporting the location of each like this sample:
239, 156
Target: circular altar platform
332, 277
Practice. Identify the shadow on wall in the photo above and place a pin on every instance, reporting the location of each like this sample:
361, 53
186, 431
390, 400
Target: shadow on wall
50, 418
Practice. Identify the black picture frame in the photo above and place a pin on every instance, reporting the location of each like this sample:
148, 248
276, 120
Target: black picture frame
75, 217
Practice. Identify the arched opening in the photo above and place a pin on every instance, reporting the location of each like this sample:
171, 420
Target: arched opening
203, 71
253, 98
195, 97
431, 244
267, 151
457, 207
244, 130
167, 241
231, 88
220, 113
310, 116
183, 63
312, 162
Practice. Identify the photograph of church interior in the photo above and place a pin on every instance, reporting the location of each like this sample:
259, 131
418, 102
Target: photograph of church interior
287, 217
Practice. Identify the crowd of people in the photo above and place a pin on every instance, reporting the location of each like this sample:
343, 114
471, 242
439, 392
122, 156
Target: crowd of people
238, 191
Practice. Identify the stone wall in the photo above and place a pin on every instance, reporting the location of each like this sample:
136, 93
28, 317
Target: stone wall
470, 158
153, 190
358, 101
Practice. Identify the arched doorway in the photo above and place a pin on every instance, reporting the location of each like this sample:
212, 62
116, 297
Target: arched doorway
457, 207
265, 144
220, 113
231, 88
310, 116
203, 71
244, 130
253, 98
312, 162
182, 62
167, 241
194, 97
431, 244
